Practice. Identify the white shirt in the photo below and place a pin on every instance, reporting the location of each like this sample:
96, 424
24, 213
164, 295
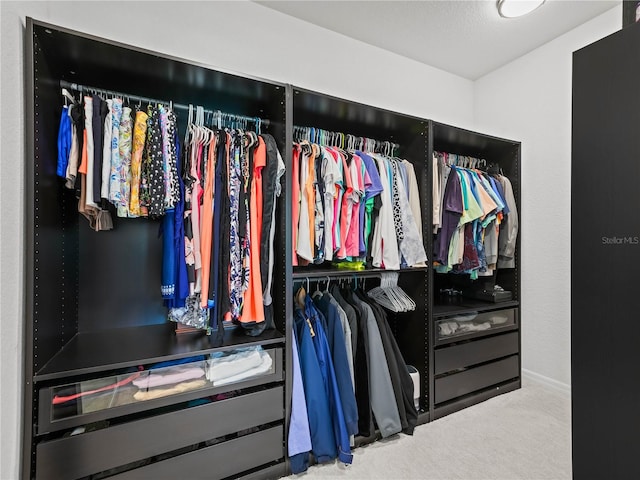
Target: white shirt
385, 243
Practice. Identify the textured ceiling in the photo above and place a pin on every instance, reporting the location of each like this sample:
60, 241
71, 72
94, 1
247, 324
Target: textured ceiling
467, 38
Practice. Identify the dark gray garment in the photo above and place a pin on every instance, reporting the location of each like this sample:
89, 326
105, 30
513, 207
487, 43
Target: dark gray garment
346, 329
383, 401
508, 228
269, 179
491, 243
405, 380
392, 363
361, 371
351, 317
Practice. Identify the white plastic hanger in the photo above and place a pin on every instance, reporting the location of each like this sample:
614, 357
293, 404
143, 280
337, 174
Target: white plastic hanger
67, 95
390, 295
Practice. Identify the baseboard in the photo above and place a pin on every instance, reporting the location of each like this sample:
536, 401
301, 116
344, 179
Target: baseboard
549, 382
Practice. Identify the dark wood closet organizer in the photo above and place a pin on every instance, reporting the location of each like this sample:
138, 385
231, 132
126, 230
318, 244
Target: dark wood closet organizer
81, 324
469, 368
411, 133
94, 307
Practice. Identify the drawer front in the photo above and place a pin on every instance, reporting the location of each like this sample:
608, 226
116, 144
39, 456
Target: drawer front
218, 461
459, 327
469, 381
93, 452
475, 352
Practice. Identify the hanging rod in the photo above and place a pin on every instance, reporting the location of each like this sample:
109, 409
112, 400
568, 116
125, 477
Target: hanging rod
337, 139
181, 106
473, 161
319, 274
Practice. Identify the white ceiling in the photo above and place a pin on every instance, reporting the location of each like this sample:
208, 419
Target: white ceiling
464, 37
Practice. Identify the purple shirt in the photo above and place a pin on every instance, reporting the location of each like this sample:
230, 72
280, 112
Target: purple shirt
452, 211
372, 188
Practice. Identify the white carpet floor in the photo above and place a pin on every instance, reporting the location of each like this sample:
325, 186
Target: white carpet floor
524, 434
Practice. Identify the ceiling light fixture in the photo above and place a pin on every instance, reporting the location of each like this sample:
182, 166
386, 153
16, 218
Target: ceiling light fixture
517, 8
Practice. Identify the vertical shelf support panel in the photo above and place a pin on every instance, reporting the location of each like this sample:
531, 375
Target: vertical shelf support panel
29, 409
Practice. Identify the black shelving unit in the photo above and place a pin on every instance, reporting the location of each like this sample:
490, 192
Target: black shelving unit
318, 110
605, 249
93, 306
487, 362
93, 303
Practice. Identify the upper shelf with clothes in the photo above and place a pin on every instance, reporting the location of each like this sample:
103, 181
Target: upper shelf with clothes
476, 202
358, 186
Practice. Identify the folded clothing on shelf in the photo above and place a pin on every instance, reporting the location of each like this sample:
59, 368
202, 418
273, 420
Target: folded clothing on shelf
142, 395
474, 327
498, 319
239, 365
169, 376
452, 327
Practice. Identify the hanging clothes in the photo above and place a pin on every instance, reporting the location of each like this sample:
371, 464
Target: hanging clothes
65, 142
309, 315
355, 206
272, 189
216, 199
508, 228
338, 350
122, 179
178, 276
357, 374
107, 150
138, 146
154, 192
75, 154
323, 443
478, 216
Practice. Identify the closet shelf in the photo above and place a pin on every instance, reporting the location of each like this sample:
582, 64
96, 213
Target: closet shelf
469, 305
126, 347
319, 273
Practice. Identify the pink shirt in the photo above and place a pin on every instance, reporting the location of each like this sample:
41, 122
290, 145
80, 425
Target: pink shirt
353, 234
295, 207
346, 209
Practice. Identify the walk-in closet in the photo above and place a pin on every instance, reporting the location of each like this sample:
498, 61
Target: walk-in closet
125, 378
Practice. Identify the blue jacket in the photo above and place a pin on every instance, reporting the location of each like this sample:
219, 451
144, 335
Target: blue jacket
322, 437
329, 380
338, 350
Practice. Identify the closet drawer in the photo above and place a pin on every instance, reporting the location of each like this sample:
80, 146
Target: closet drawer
93, 452
458, 384
475, 352
218, 461
473, 324
129, 398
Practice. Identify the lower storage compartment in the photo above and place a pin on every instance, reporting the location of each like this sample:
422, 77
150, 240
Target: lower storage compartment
217, 461
88, 453
468, 381
475, 352
106, 396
